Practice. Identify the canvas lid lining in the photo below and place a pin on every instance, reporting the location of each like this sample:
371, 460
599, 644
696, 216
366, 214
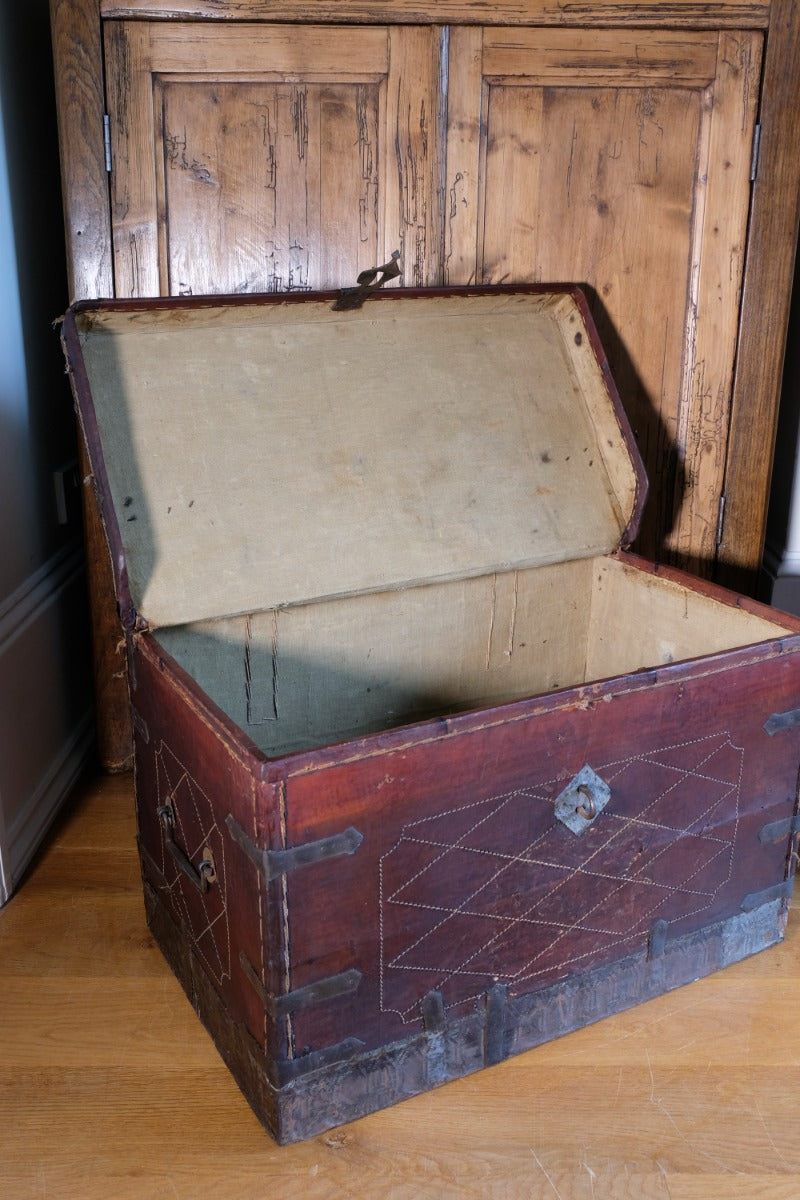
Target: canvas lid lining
276, 454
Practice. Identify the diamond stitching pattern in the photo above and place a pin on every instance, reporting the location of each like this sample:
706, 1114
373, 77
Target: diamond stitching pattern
204, 914
487, 904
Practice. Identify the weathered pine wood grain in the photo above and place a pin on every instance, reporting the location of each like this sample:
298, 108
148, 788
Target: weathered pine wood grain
80, 103
772, 242
264, 158
413, 159
87, 225
116, 1090
718, 246
132, 135
696, 13
566, 151
266, 186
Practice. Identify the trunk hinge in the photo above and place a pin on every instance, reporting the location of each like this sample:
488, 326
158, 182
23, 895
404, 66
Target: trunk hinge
720, 520
107, 140
756, 152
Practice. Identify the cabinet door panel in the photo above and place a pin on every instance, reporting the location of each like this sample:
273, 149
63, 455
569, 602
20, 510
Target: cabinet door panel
269, 158
621, 163
266, 186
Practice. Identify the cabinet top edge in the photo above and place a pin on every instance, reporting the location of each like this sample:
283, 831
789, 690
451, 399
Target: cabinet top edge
694, 14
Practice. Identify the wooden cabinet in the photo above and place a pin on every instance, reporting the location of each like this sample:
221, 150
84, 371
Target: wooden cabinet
620, 159
256, 145
270, 158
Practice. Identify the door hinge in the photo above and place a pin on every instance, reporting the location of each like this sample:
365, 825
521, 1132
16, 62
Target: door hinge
756, 151
720, 520
107, 140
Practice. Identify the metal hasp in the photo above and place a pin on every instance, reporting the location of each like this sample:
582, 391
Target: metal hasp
368, 282
586, 795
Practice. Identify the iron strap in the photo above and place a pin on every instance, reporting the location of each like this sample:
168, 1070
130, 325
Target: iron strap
279, 862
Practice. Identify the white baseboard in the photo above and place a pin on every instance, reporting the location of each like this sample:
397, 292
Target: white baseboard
779, 581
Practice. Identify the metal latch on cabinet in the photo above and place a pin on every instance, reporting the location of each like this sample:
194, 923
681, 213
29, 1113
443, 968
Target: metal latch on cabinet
368, 282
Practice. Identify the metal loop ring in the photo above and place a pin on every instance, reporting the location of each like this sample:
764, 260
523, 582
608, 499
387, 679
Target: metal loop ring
587, 810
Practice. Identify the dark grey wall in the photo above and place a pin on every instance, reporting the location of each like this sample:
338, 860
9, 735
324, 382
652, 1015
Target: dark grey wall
36, 425
45, 663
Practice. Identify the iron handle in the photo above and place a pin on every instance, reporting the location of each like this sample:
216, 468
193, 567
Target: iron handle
200, 877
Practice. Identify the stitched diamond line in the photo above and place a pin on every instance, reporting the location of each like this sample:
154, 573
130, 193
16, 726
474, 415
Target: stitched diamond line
474, 919
205, 915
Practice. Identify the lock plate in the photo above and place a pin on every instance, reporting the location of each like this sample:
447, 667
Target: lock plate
584, 797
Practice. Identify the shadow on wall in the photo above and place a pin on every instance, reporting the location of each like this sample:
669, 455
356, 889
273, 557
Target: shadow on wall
655, 445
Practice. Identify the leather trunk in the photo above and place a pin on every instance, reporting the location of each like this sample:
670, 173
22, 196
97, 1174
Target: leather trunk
429, 768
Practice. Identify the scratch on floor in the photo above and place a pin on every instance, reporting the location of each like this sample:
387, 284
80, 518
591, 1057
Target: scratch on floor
659, 1103
541, 1167
771, 1140
696, 1149
670, 1015
592, 1176
663, 1171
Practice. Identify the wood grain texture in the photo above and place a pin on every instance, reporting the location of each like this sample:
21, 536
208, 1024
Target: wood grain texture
621, 58
463, 194
412, 184
718, 244
117, 1091
263, 158
80, 103
696, 13
133, 193
266, 186
566, 150
77, 53
772, 243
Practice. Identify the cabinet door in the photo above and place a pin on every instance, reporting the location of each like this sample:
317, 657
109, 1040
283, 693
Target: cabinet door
270, 158
620, 160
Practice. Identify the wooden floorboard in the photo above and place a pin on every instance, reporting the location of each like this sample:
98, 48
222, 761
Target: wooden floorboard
110, 1088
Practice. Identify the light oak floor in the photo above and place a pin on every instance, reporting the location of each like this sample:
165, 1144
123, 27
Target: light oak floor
109, 1086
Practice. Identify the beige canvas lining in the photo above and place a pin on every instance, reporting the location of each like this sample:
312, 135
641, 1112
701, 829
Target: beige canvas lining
343, 523
273, 455
313, 674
